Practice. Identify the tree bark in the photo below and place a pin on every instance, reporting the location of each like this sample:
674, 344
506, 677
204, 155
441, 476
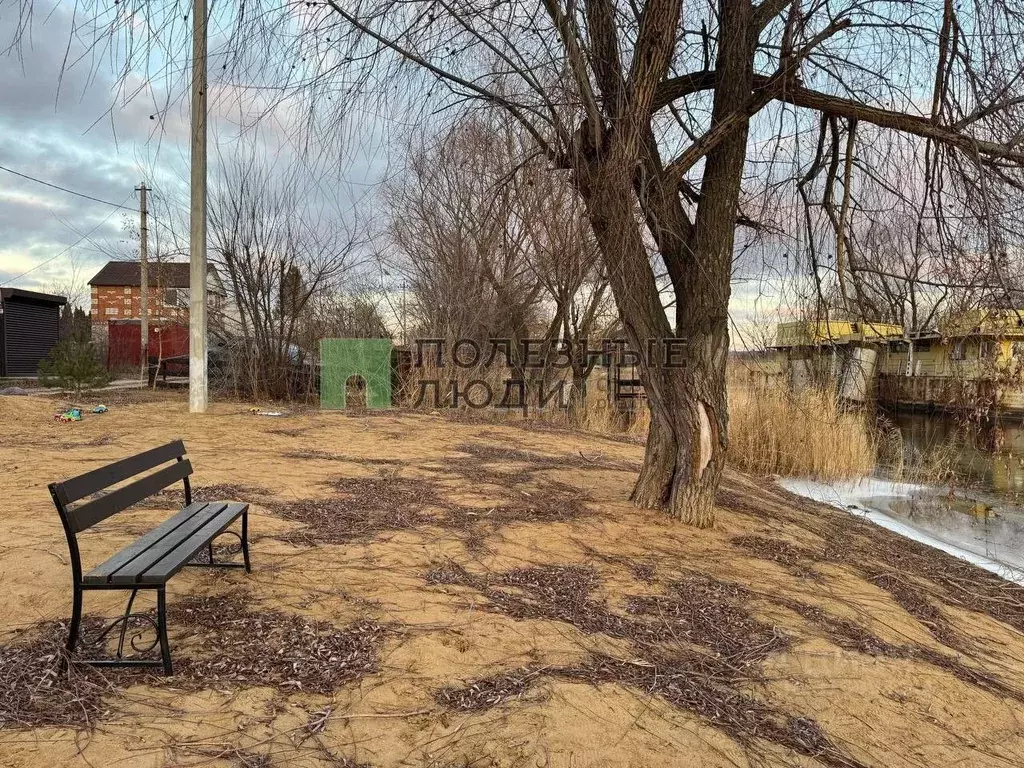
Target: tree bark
686, 443
686, 436
703, 302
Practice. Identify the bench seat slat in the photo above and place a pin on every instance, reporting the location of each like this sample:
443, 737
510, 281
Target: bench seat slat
174, 560
146, 550
189, 517
130, 572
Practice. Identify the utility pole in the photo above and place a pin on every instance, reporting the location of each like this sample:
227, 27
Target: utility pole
197, 383
143, 278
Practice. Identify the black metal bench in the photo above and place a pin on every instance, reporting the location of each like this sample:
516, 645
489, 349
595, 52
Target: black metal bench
150, 561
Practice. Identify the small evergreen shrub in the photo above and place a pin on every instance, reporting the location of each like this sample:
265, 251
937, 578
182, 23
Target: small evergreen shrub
74, 366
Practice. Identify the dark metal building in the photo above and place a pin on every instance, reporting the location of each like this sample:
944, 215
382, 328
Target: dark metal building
29, 329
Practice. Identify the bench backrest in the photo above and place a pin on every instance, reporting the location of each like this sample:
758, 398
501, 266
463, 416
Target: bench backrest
89, 513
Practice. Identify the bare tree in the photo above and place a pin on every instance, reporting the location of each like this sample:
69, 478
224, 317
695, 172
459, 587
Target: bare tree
563, 254
279, 261
497, 245
648, 107
455, 221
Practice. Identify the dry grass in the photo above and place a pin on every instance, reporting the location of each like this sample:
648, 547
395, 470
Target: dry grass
228, 642
696, 646
938, 462
236, 643
771, 430
35, 693
359, 509
810, 434
597, 415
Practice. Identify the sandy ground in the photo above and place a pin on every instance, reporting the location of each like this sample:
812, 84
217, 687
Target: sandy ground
507, 607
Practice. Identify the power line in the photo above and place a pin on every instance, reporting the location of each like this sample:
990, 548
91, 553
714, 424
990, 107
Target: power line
79, 240
62, 189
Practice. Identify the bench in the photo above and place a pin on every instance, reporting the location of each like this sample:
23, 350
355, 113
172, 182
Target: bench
152, 560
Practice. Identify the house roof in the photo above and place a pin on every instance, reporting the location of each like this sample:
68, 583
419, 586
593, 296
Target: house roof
166, 275
19, 293
801, 333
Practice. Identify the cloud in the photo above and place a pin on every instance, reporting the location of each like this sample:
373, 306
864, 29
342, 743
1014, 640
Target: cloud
61, 130
74, 127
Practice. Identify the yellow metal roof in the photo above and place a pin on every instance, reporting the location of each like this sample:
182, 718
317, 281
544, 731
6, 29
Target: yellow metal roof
985, 322
808, 332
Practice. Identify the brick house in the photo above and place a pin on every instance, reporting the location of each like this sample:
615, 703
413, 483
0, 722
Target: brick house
116, 294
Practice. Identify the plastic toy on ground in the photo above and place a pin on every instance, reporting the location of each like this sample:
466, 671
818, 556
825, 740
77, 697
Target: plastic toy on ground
261, 412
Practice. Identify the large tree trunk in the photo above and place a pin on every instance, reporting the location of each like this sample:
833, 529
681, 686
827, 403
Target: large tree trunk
686, 435
702, 300
687, 440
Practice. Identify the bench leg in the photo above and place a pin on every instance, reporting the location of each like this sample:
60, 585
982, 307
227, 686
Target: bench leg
245, 541
161, 615
76, 620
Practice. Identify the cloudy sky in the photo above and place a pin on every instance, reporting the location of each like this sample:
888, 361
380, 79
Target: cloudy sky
71, 118
72, 125
64, 133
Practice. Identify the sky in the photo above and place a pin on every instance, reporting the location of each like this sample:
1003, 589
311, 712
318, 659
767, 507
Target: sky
72, 127
68, 137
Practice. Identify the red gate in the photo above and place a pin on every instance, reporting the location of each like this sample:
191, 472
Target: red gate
124, 348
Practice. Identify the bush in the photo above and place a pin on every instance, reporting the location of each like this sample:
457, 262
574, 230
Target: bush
73, 365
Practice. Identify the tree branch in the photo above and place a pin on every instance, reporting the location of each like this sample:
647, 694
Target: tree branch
799, 96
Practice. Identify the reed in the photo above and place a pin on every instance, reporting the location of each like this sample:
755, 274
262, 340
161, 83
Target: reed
773, 431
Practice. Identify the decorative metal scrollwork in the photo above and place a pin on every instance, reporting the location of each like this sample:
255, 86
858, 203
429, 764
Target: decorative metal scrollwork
209, 546
122, 622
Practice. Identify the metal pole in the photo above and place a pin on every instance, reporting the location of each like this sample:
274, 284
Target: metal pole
143, 279
197, 384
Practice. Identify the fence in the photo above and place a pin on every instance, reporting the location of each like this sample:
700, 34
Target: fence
124, 347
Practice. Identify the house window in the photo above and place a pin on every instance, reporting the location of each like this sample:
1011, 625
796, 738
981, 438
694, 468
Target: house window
959, 350
128, 290
987, 349
171, 297
111, 310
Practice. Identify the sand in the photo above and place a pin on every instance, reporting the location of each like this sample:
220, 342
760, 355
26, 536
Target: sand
508, 560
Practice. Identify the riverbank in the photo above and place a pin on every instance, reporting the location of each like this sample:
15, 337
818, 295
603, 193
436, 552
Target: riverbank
978, 529
428, 591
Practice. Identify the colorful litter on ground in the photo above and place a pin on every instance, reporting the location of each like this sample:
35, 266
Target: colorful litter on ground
261, 412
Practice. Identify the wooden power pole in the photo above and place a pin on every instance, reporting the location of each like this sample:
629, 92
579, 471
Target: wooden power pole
197, 379
143, 278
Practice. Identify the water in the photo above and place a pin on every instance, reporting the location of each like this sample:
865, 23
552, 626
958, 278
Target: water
986, 458
970, 502
973, 494
921, 513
